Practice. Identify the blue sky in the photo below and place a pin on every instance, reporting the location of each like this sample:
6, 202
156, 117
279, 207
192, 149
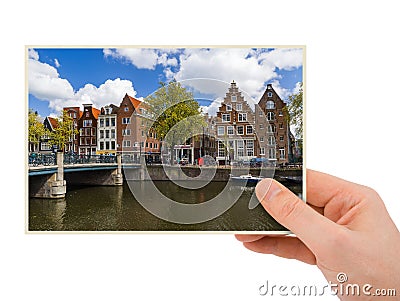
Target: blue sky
59, 77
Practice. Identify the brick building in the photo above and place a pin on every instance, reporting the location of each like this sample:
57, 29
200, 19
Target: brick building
134, 139
75, 113
272, 127
87, 126
236, 139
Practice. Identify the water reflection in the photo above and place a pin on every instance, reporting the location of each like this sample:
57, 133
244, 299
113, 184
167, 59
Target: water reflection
115, 208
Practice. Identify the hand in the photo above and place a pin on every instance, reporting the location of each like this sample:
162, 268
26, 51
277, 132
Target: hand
344, 228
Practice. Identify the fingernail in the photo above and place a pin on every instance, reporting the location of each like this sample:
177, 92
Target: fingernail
267, 189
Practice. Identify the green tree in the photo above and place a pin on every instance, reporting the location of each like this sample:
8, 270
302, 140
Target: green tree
64, 131
295, 111
176, 114
36, 128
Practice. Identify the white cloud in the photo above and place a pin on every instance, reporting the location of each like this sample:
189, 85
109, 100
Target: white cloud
44, 81
57, 63
32, 54
212, 109
143, 58
45, 84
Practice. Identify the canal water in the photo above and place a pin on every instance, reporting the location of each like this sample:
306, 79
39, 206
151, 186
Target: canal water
115, 208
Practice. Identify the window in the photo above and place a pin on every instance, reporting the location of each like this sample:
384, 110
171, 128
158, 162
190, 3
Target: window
87, 114
221, 149
126, 109
87, 123
262, 151
230, 130
250, 147
271, 153
87, 141
87, 132
271, 140
107, 121
234, 98
240, 148
101, 134
270, 105
147, 144
270, 116
112, 133
101, 122
271, 128
221, 130
126, 132
94, 141
126, 120
45, 146
239, 107
126, 143
113, 121
155, 145
142, 144
280, 113
93, 131
142, 133
226, 117
229, 107
281, 138
151, 145
155, 135
240, 130
281, 153
107, 133
261, 126
242, 117
281, 126
101, 145
249, 129
269, 94
261, 139
112, 144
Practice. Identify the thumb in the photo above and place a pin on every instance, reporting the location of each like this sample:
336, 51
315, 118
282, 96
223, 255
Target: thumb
293, 213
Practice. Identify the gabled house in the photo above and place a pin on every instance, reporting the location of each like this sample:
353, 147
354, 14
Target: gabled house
75, 113
87, 126
134, 139
236, 139
107, 130
50, 124
273, 130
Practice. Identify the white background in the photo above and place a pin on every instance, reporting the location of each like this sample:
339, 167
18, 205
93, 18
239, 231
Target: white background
352, 82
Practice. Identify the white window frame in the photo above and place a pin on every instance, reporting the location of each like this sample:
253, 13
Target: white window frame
242, 117
126, 120
226, 117
126, 132
126, 143
230, 130
271, 140
239, 107
228, 107
271, 153
219, 131
234, 98
237, 129
262, 151
270, 116
270, 105
249, 132
282, 154
269, 94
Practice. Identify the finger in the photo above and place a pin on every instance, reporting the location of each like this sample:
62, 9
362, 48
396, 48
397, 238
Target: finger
248, 237
322, 188
286, 247
315, 230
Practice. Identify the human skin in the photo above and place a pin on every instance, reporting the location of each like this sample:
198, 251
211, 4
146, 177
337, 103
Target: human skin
343, 228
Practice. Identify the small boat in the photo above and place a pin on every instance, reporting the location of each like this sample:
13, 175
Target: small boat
290, 179
246, 179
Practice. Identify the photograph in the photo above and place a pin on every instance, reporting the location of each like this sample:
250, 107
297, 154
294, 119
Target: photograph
161, 138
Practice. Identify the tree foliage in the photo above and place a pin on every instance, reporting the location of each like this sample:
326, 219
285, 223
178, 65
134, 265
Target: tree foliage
36, 128
64, 131
295, 110
176, 113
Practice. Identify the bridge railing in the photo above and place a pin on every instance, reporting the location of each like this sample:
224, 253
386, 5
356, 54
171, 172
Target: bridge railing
38, 159
86, 159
